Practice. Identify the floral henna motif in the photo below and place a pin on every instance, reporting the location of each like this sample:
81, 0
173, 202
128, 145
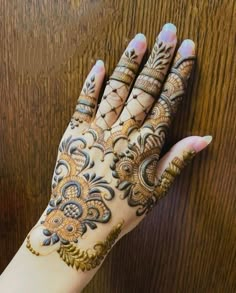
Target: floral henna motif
77, 200
84, 260
86, 104
76, 203
135, 171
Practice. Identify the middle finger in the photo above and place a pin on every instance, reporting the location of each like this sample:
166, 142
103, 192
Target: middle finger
149, 82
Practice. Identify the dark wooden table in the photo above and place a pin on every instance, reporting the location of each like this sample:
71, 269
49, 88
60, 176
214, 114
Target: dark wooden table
187, 244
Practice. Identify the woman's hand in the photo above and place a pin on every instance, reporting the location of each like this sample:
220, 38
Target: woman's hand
109, 173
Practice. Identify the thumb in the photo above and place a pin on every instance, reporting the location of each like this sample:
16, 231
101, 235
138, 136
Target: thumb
171, 164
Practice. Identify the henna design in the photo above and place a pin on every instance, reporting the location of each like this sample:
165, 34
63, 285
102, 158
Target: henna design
86, 104
76, 203
77, 200
176, 83
171, 172
106, 145
135, 172
126, 68
117, 89
153, 73
90, 258
147, 85
159, 119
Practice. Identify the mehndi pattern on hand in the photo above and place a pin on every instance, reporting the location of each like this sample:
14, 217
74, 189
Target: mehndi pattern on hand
109, 154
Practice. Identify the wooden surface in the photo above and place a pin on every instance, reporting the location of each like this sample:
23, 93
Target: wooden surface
187, 244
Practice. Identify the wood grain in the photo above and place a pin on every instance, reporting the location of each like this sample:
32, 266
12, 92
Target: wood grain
187, 244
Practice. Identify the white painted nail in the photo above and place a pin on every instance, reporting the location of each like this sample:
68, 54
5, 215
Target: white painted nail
187, 48
99, 63
98, 67
208, 138
168, 33
140, 37
169, 27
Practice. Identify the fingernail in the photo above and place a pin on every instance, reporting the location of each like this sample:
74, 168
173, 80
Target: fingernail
140, 37
202, 142
139, 43
168, 33
187, 48
98, 67
208, 139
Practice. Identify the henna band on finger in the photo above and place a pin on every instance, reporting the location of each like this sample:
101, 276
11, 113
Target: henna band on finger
171, 172
86, 104
127, 68
86, 108
153, 73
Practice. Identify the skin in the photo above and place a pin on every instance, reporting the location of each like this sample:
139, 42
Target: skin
108, 173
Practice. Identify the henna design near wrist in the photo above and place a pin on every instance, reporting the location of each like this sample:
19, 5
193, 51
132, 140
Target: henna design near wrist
80, 196
77, 201
90, 258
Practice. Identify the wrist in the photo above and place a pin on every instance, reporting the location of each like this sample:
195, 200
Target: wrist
66, 269
42, 274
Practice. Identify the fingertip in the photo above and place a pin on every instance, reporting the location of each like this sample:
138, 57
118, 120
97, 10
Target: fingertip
139, 43
201, 142
99, 67
140, 37
187, 48
168, 33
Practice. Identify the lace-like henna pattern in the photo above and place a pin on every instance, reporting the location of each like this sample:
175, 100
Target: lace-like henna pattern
118, 87
86, 104
171, 172
77, 200
106, 145
147, 85
90, 258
